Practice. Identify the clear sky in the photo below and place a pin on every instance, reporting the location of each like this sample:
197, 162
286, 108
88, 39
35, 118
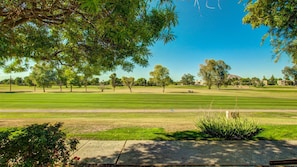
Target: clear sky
211, 34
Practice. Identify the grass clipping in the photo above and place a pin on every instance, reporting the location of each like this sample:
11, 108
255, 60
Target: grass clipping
234, 128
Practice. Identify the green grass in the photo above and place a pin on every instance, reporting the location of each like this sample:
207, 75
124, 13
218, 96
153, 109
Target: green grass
278, 132
148, 125
142, 101
166, 125
127, 133
270, 132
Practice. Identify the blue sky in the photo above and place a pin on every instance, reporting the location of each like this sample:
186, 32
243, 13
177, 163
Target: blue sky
213, 34
210, 34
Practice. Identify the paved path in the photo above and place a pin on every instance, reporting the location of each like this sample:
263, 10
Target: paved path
238, 153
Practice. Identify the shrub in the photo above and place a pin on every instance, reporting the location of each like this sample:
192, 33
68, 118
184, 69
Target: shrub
229, 129
35, 145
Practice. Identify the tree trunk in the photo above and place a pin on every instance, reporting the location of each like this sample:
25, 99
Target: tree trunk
70, 88
60, 86
86, 87
10, 83
163, 89
209, 86
43, 87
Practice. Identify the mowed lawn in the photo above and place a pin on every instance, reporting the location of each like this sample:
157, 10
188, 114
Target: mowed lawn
148, 125
174, 98
166, 124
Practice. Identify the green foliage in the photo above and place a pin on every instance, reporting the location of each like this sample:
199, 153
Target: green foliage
43, 75
98, 34
188, 79
229, 129
160, 76
35, 145
280, 18
214, 72
290, 72
128, 81
113, 78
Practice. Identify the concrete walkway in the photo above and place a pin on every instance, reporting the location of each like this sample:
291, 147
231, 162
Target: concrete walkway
186, 153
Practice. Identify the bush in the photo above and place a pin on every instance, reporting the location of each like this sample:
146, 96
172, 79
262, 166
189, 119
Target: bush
229, 129
35, 145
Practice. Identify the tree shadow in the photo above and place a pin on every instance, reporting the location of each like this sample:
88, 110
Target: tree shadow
200, 153
13, 92
182, 135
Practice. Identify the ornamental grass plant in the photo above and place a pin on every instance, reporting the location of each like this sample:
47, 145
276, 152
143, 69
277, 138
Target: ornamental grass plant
228, 128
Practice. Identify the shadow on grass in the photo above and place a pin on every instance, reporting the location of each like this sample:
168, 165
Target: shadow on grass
196, 135
182, 135
13, 92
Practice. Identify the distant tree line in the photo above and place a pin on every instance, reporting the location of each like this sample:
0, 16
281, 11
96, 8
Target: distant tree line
213, 73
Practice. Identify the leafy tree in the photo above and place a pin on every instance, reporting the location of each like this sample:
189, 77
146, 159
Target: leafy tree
206, 72
28, 81
87, 73
280, 17
187, 79
245, 81
13, 67
113, 78
72, 77
128, 81
18, 81
272, 80
60, 72
221, 73
256, 82
141, 82
214, 72
98, 33
95, 81
160, 76
43, 75
291, 72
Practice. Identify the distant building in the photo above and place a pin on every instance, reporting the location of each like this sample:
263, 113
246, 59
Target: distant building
265, 82
231, 77
281, 82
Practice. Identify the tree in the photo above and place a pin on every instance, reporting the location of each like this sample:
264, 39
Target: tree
291, 72
141, 82
98, 33
71, 76
113, 78
272, 80
280, 18
221, 73
43, 75
28, 81
87, 73
187, 79
256, 82
206, 72
18, 81
128, 81
13, 67
214, 72
160, 76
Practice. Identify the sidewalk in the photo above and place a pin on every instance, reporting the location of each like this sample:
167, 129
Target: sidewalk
191, 153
